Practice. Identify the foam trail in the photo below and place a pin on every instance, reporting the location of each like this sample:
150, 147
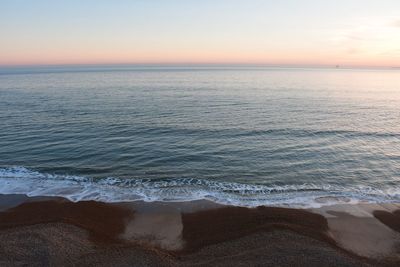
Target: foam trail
20, 180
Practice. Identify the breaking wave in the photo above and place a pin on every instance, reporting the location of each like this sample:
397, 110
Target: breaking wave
20, 180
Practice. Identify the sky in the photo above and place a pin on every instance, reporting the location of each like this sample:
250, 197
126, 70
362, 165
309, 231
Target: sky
285, 32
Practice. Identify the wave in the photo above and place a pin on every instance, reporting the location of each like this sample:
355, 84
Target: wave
20, 180
240, 132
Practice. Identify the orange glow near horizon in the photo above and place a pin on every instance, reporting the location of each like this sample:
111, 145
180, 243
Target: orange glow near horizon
201, 57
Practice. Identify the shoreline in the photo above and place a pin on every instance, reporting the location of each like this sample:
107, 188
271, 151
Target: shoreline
57, 231
21, 180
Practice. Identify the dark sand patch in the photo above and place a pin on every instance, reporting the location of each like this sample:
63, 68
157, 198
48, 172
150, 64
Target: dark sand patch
390, 219
104, 222
208, 227
61, 244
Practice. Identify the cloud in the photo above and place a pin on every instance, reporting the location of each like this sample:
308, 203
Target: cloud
366, 39
366, 32
396, 23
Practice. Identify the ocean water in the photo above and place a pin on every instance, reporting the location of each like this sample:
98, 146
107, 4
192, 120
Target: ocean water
242, 136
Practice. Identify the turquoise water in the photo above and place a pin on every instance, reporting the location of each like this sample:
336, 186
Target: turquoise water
243, 136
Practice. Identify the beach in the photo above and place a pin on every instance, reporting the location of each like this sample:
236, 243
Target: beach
200, 133
53, 231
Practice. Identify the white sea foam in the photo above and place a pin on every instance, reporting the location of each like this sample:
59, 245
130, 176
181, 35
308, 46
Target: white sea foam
19, 180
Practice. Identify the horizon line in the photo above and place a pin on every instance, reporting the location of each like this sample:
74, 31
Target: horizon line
194, 64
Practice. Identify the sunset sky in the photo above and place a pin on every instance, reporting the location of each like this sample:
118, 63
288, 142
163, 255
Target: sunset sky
307, 32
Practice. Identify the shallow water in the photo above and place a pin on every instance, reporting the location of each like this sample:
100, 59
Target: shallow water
244, 136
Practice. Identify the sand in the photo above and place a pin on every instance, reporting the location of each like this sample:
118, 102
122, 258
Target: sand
365, 229
56, 232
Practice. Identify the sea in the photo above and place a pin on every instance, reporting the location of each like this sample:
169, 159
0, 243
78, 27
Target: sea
237, 135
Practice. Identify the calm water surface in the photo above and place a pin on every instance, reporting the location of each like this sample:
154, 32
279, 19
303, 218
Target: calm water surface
245, 136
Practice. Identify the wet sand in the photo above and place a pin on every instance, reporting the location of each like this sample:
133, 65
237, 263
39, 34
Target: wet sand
46, 231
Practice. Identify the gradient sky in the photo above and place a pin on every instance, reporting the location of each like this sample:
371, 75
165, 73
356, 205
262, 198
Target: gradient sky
306, 32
